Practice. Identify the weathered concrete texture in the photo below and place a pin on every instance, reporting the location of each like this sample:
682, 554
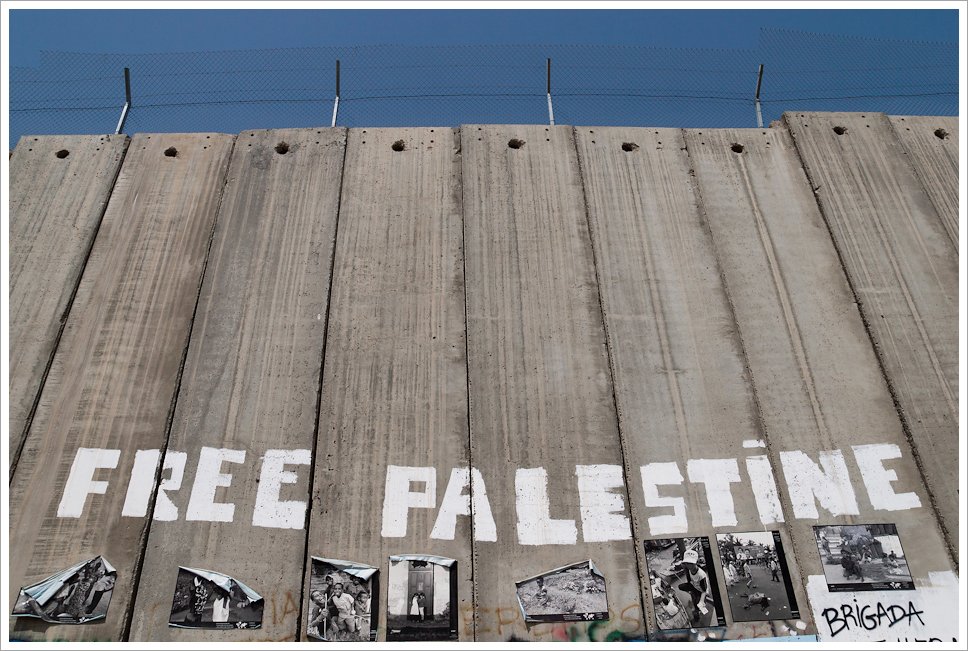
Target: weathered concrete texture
59, 187
681, 383
394, 382
250, 381
903, 269
540, 389
931, 144
114, 374
817, 380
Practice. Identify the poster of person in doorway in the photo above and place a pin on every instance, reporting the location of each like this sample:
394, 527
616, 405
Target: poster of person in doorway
421, 598
861, 557
682, 577
763, 589
573, 593
341, 597
77, 595
207, 599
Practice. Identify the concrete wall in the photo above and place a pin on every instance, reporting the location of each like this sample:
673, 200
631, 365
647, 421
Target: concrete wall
519, 347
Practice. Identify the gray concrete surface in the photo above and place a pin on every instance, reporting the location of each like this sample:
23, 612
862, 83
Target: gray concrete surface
114, 375
562, 309
540, 388
681, 383
931, 145
56, 205
817, 380
903, 269
394, 381
251, 379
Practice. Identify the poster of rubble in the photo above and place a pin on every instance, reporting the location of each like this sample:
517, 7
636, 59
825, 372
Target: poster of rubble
685, 592
77, 595
758, 584
207, 599
573, 593
342, 595
421, 598
862, 557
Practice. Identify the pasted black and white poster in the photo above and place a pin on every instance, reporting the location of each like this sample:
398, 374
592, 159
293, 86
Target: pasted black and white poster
421, 598
207, 599
77, 595
682, 578
758, 583
573, 593
862, 557
342, 597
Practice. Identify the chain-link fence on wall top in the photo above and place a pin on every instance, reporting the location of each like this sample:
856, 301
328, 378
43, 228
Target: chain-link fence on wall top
231, 91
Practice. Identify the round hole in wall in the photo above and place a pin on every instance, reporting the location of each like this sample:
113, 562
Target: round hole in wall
63, 153
737, 148
398, 146
515, 143
629, 146
171, 152
282, 147
941, 133
840, 130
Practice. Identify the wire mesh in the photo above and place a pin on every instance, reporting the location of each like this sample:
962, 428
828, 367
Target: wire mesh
816, 72
232, 91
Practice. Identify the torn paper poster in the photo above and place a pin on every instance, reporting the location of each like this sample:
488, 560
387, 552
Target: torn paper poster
206, 599
573, 593
342, 597
79, 594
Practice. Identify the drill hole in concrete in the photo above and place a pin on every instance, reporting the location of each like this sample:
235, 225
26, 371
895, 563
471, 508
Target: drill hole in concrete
171, 152
514, 143
629, 146
63, 153
840, 130
398, 146
282, 147
737, 148
941, 133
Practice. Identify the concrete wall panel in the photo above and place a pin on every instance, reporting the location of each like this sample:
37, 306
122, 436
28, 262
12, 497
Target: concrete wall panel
540, 388
681, 384
394, 387
815, 373
903, 268
251, 379
115, 372
56, 205
931, 144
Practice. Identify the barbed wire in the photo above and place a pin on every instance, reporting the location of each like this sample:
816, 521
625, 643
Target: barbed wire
385, 85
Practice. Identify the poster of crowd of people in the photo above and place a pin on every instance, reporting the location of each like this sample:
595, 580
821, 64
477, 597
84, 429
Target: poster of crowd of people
207, 599
77, 595
685, 592
758, 584
566, 594
421, 598
861, 557
342, 596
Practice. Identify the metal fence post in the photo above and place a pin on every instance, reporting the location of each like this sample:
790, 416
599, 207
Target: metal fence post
336, 101
127, 101
759, 113
551, 110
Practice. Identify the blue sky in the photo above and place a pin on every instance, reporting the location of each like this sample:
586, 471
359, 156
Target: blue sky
691, 67
179, 30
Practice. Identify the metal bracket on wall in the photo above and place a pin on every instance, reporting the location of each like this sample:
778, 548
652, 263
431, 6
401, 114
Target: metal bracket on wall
336, 101
127, 101
759, 113
551, 110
